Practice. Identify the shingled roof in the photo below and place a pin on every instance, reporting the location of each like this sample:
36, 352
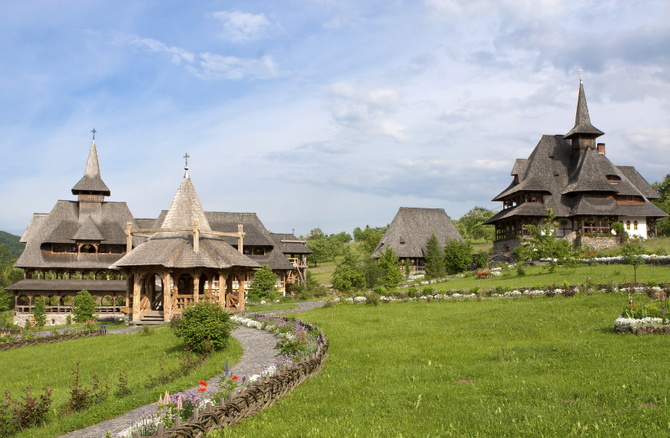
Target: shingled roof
62, 226
411, 228
575, 181
175, 249
290, 244
91, 182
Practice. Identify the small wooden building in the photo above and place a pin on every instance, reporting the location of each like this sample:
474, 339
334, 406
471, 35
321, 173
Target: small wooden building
184, 261
410, 230
296, 252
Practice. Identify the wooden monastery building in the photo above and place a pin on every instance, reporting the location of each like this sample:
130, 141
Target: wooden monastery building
410, 230
571, 175
145, 269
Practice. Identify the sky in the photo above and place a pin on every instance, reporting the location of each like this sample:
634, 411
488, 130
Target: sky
318, 113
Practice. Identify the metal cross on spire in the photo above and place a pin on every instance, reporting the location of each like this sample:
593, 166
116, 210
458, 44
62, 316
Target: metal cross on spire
93, 131
581, 70
186, 157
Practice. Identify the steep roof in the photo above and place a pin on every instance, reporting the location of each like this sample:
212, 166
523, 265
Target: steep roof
175, 249
91, 182
411, 228
586, 174
62, 226
583, 126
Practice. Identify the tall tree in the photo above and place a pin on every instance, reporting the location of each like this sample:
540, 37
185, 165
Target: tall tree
348, 274
8, 275
457, 256
369, 238
471, 224
83, 307
40, 312
263, 285
388, 262
434, 265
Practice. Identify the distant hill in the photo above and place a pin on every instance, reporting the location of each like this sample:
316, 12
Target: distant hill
13, 242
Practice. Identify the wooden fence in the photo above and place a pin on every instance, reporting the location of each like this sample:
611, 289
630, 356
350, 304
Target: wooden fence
38, 340
253, 399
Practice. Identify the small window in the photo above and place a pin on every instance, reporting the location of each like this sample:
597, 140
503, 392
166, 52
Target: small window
635, 225
628, 225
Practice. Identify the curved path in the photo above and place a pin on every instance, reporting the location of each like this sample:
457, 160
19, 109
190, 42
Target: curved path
259, 352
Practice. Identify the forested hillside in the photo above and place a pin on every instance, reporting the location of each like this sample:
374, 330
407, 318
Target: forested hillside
13, 242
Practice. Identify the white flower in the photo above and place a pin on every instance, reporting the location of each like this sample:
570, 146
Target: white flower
360, 299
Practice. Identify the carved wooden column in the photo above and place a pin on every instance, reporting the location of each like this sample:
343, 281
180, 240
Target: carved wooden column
137, 291
167, 297
196, 286
240, 292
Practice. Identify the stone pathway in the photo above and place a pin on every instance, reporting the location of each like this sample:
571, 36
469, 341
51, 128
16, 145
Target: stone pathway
259, 352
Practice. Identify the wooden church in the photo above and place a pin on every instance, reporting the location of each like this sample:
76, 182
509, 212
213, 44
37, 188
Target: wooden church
571, 175
144, 269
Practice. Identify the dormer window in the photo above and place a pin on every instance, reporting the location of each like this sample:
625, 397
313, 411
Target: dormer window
613, 179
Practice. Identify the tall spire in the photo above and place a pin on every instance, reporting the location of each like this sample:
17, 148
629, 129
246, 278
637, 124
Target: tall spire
583, 127
186, 208
91, 183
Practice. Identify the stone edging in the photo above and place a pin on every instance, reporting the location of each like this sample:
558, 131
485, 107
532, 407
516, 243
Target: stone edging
52, 339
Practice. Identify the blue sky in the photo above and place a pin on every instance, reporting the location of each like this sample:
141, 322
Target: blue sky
318, 113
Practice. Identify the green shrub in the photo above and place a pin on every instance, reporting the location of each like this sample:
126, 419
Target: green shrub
83, 307
204, 327
40, 312
458, 256
263, 285
482, 259
372, 299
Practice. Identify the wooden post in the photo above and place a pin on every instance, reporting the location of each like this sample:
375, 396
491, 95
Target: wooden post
196, 286
240, 293
129, 237
223, 278
240, 238
196, 236
167, 297
137, 288
229, 288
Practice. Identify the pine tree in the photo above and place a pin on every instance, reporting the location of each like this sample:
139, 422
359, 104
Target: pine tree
83, 307
40, 312
388, 261
434, 260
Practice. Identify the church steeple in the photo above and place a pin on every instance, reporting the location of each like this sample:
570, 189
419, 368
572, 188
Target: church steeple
91, 183
583, 134
91, 190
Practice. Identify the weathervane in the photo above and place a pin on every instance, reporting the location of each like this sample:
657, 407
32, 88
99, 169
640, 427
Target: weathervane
93, 131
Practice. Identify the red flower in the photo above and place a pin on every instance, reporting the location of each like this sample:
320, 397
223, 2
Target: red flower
203, 383
234, 377
202, 389
633, 305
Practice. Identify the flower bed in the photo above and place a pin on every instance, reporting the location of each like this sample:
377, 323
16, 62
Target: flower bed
303, 350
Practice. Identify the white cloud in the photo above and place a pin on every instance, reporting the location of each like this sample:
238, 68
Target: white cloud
366, 111
176, 54
230, 67
242, 27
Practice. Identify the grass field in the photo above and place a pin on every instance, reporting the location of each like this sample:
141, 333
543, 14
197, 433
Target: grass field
51, 365
512, 367
538, 276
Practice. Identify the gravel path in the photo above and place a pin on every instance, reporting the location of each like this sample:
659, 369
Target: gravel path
258, 353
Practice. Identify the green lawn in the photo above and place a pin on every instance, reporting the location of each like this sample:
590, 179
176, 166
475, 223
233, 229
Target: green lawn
271, 307
104, 356
538, 276
513, 367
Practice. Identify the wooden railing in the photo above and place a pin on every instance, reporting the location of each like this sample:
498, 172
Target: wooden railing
145, 306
